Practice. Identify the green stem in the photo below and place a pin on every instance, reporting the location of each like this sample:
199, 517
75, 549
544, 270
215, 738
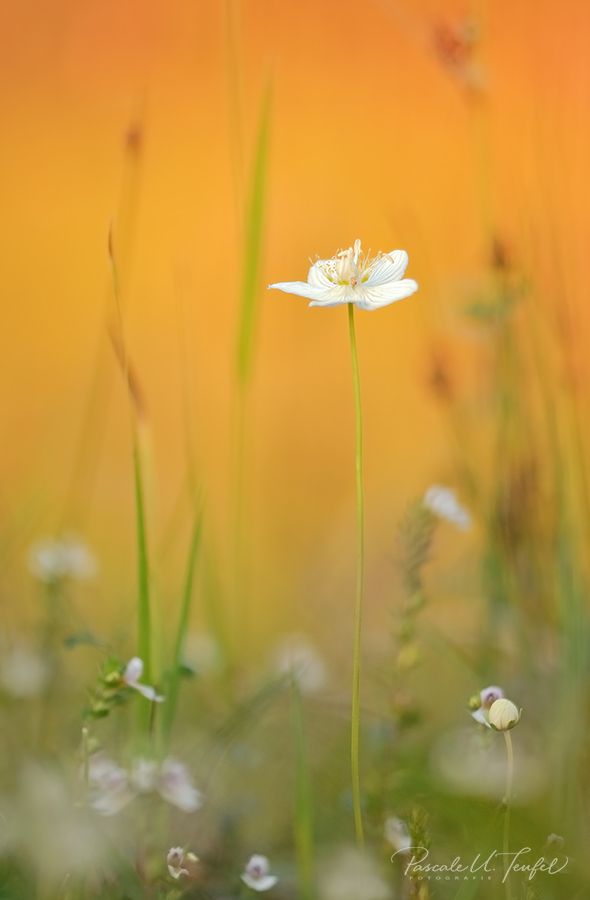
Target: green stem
303, 804
144, 625
360, 559
507, 800
182, 628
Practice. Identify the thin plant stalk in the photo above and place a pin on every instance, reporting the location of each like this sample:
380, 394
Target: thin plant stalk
507, 801
248, 316
360, 561
303, 825
183, 623
144, 630
93, 429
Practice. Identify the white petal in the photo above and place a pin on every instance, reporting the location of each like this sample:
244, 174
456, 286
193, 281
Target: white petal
479, 716
177, 872
390, 267
258, 866
301, 288
317, 276
374, 298
339, 294
148, 692
134, 671
260, 884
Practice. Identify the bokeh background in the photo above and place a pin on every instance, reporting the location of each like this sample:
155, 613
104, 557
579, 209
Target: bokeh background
459, 133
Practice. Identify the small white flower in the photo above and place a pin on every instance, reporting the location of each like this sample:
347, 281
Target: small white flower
144, 775
131, 676
486, 697
443, 503
175, 859
50, 560
397, 834
296, 657
256, 874
111, 785
175, 785
351, 277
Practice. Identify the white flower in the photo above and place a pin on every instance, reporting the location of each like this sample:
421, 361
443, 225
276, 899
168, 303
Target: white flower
443, 503
111, 785
350, 277
397, 834
131, 676
144, 775
296, 657
175, 786
50, 560
486, 697
175, 859
256, 874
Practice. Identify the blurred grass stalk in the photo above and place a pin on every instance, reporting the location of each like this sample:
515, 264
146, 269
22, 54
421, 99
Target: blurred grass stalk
139, 442
79, 493
248, 314
304, 837
169, 711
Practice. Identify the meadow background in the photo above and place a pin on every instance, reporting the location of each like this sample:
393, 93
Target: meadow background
456, 132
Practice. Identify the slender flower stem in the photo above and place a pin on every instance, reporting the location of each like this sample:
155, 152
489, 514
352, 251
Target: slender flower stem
507, 801
303, 803
360, 561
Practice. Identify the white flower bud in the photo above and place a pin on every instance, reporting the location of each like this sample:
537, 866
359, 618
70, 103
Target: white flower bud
503, 715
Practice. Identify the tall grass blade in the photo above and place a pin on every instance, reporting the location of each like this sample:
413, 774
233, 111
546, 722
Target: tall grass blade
183, 623
143, 596
137, 421
90, 441
303, 824
253, 243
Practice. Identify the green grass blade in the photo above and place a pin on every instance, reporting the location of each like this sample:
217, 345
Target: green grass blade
144, 647
303, 824
253, 243
183, 623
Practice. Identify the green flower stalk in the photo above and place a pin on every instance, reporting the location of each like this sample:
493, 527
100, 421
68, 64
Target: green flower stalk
353, 278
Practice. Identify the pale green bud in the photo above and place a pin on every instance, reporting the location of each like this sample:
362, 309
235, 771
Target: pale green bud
503, 715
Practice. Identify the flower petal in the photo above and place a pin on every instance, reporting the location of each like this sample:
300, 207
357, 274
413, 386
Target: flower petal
341, 293
147, 691
317, 275
301, 288
389, 267
375, 297
134, 671
260, 884
479, 716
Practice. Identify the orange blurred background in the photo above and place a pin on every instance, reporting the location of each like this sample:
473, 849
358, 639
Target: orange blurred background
424, 125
